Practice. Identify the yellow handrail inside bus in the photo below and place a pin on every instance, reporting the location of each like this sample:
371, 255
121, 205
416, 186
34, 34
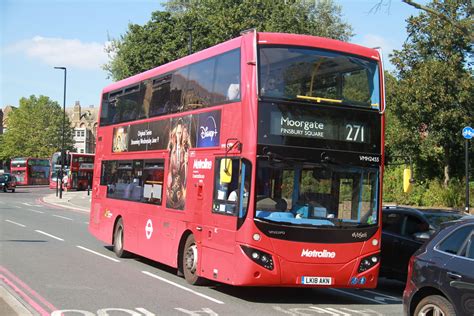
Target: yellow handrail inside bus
318, 99
153, 182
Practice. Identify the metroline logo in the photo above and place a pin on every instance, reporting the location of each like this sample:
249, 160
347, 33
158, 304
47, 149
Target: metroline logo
318, 254
202, 164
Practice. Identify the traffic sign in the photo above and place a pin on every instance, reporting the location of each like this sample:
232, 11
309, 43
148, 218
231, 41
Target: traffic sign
468, 132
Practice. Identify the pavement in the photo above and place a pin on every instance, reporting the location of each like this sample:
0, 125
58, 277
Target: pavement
75, 200
11, 304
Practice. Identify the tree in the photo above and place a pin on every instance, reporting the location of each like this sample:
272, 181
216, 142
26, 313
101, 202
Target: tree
35, 129
435, 89
465, 26
165, 37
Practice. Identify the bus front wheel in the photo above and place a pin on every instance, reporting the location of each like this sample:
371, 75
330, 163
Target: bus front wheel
190, 262
118, 240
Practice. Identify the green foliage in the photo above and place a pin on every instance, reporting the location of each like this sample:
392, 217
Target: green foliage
432, 100
165, 37
35, 129
430, 193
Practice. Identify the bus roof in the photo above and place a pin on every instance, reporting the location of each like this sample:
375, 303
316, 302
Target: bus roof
27, 158
263, 38
319, 42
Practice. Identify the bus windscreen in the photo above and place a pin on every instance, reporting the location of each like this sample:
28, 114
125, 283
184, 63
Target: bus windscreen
318, 76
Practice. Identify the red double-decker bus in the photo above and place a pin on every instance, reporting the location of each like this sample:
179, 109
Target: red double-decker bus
254, 162
30, 171
78, 170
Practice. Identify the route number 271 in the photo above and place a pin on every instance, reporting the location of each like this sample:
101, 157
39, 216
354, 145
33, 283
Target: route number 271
355, 133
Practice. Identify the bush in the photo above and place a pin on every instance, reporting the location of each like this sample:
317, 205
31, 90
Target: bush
424, 193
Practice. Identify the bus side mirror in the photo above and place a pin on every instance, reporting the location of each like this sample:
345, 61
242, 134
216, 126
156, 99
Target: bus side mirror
226, 170
407, 180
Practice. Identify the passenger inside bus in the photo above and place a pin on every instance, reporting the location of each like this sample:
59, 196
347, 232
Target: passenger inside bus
233, 92
273, 88
234, 195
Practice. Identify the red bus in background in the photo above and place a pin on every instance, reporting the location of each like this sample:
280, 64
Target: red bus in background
30, 171
78, 167
256, 162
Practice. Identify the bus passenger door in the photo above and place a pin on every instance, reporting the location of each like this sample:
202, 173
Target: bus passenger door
219, 223
220, 219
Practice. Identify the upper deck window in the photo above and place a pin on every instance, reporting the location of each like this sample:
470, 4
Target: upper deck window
209, 82
313, 75
17, 163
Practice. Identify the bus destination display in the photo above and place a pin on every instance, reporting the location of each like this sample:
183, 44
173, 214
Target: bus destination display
318, 127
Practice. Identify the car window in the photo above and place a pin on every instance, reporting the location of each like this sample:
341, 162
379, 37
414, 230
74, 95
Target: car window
4, 178
436, 219
414, 225
469, 253
392, 222
456, 240
470, 247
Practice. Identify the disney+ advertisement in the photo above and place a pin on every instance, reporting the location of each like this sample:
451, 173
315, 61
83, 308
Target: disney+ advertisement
204, 131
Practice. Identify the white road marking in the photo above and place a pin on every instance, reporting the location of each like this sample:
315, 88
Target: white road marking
144, 311
49, 235
21, 225
35, 211
63, 217
26, 204
310, 310
17, 206
385, 296
358, 296
182, 287
104, 312
203, 311
36, 205
364, 312
99, 254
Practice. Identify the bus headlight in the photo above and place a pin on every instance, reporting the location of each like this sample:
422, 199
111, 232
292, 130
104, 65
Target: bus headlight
368, 262
259, 257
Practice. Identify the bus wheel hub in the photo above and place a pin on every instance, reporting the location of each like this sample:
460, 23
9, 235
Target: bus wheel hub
191, 258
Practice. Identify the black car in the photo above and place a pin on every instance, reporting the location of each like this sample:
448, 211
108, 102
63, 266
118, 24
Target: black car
7, 182
441, 273
404, 230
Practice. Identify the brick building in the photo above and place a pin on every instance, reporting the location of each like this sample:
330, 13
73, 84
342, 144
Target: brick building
84, 121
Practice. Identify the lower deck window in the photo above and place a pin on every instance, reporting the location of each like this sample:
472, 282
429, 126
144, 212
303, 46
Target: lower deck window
134, 180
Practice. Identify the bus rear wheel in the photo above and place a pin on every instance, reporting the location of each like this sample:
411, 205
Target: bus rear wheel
190, 262
118, 240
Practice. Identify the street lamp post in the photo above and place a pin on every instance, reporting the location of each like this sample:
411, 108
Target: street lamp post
60, 175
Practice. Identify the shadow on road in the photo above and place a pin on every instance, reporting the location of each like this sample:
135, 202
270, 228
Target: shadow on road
22, 240
16, 192
285, 295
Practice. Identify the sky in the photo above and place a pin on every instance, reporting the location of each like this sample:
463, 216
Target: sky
38, 35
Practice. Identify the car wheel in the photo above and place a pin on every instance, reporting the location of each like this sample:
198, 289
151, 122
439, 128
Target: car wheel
13, 190
190, 262
435, 305
118, 241
4, 189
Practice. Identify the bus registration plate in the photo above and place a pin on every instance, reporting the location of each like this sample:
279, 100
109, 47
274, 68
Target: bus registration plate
316, 280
